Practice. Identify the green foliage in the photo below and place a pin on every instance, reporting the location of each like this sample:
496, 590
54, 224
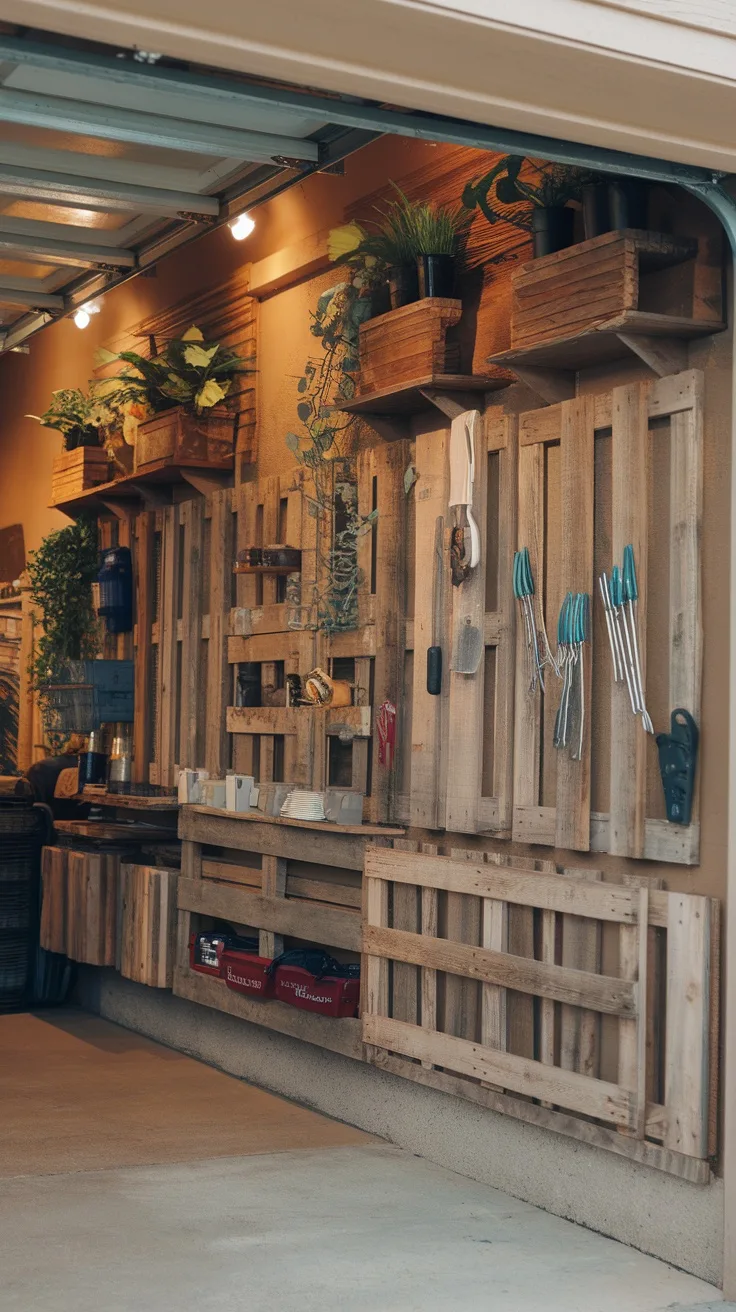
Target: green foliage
405, 230
503, 194
61, 573
76, 415
189, 371
326, 383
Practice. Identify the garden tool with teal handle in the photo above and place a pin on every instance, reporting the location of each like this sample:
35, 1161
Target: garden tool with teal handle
565, 658
524, 593
581, 613
630, 591
620, 628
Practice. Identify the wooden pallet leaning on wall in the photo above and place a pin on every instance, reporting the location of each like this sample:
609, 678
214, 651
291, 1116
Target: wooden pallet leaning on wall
482, 1065
461, 759
560, 521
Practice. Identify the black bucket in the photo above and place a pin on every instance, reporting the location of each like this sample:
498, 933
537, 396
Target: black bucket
552, 229
436, 275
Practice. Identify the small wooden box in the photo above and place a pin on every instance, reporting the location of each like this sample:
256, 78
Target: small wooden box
75, 471
586, 285
178, 438
408, 343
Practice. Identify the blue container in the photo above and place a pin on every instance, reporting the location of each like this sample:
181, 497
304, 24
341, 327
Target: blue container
93, 693
116, 589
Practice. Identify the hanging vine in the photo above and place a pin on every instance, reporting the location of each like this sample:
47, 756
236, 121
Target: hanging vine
323, 447
61, 574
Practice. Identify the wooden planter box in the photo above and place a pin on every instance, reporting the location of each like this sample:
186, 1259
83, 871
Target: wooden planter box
178, 438
408, 343
611, 276
75, 471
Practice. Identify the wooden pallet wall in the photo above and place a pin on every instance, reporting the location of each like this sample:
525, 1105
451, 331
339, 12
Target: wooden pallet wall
559, 521
661, 1089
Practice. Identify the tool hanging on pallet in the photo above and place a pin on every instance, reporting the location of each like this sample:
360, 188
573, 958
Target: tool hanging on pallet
462, 478
538, 644
620, 595
572, 633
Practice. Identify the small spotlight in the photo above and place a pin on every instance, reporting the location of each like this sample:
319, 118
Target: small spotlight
242, 227
81, 318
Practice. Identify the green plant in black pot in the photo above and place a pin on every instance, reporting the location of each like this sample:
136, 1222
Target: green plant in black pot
76, 416
537, 202
440, 234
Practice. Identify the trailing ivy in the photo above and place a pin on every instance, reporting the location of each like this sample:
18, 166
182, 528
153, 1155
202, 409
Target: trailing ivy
61, 574
322, 446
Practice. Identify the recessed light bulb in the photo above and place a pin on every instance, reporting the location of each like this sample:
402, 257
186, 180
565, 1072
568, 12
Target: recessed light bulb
242, 227
81, 319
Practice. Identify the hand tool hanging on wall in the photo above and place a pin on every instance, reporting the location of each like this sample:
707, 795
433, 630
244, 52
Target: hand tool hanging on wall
538, 644
620, 595
463, 432
434, 653
572, 632
678, 755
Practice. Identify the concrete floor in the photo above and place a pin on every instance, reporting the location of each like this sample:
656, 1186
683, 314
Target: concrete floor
345, 1222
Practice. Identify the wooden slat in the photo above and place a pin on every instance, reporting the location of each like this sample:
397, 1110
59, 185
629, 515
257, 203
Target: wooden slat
273, 885
143, 558
563, 1088
429, 744
503, 716
230, 872
580, 1028
338, 929
530, 533
218, 671
579, 988
686, 516
391, 461
576, 556
190, 515
168, 651
547, 891
374, 971
462, 999
52, 934
465, 691
630, 477
494, 937
686, 1044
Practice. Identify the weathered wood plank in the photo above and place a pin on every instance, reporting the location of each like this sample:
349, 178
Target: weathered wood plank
295, 919
688, 1006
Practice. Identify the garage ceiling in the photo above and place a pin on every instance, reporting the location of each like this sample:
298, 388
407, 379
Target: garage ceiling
110, 159
108, 162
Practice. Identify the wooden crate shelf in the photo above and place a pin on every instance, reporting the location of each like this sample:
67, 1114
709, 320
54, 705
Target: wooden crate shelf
343, 1035
151, 487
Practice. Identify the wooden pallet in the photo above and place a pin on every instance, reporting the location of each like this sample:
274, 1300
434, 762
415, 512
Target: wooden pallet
557, 519
546, 1065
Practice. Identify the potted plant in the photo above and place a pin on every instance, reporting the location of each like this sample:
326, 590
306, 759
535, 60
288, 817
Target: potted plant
537, 202
78, 417
176, 401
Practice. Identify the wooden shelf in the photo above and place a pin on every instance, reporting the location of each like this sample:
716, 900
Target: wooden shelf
286, 719
110, 831
363, 831
660, 340
338, 1035
266, 569
152, 487
416, 395
127, 801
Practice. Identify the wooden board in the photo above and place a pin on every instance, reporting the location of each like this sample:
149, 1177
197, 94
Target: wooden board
148, 912
52, 934
92, 907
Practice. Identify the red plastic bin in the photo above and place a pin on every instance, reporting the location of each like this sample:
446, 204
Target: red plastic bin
329, 996
246, 973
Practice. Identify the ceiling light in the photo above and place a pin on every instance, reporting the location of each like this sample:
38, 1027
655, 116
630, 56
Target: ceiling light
242, 227
81, 318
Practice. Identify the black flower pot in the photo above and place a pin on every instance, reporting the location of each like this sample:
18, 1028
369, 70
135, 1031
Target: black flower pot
596, 219
627, 201
552, 230
436, 275
403, 285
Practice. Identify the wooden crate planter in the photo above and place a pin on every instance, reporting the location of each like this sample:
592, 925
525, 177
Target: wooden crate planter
178, 438
76, 471
408, 343
600, 281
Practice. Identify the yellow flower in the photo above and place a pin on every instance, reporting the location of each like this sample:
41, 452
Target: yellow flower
210, 394
130, 429
343, 241
197, 356
193, 334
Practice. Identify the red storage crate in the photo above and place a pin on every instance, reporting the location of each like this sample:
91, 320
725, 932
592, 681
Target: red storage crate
213, 949
246, 973
329, 996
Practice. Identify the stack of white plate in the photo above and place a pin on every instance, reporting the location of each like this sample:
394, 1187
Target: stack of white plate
303, 805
